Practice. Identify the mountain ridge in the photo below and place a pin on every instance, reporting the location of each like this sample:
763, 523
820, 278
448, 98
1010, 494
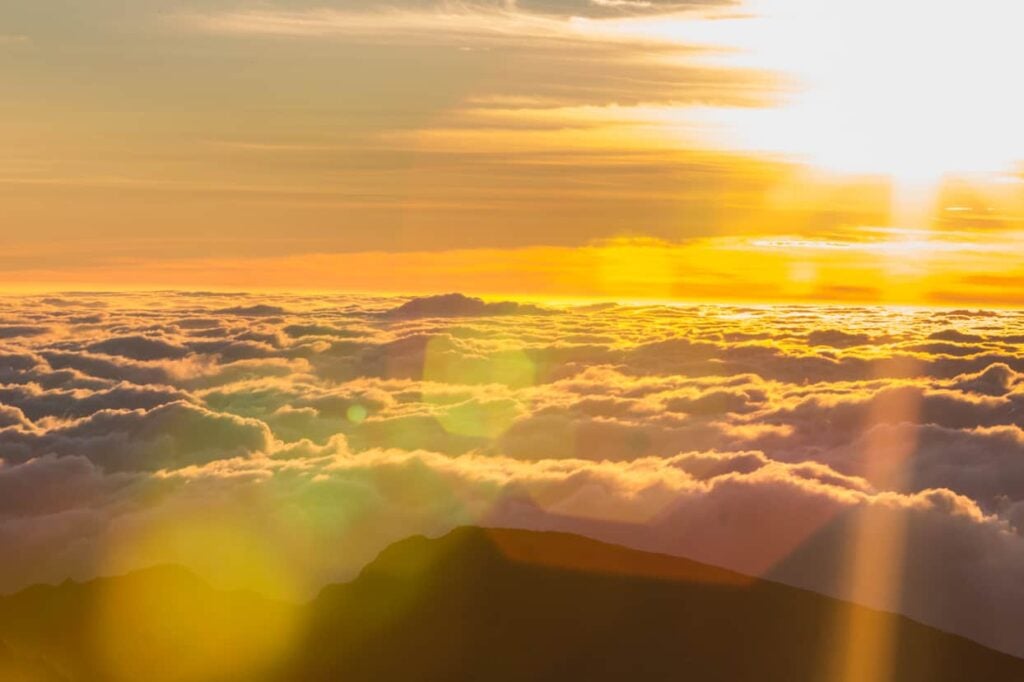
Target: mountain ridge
474, 604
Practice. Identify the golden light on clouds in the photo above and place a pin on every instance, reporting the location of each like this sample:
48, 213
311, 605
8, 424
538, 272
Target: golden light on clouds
284, 282
277, 443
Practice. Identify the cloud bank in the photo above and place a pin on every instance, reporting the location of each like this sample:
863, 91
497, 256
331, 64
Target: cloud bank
279, 442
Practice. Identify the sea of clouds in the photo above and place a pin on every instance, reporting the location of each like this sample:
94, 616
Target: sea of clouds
280, 442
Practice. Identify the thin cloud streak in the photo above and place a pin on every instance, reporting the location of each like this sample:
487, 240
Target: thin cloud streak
945, 269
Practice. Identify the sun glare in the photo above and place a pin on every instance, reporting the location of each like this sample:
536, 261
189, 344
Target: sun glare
914, 89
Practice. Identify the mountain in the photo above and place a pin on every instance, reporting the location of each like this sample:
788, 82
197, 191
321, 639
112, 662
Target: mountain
162, 623
474, 605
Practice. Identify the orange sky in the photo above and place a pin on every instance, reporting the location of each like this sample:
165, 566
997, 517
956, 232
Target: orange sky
551, 148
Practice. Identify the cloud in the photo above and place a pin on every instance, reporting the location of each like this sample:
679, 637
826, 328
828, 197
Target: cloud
74, 403
996, 379
259, 310
496, 18
12, 330
168, 436
12, 416
138, 348
762, 439
300, 330
592, 7
837, 338
109, 368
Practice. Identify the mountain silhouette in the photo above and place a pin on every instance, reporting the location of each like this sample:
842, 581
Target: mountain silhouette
476, 604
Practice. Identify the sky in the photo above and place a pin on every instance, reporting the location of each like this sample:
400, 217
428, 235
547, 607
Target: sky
767, 150
740, 281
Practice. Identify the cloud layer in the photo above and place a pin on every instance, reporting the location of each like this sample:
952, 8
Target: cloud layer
279, 442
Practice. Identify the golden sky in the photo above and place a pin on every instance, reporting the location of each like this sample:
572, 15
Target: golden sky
625, 149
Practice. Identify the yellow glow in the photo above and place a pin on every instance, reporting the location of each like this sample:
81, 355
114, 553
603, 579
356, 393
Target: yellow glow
868, 265
770, 117
356, 413
456, 414
230, 646
914, 88
874, 555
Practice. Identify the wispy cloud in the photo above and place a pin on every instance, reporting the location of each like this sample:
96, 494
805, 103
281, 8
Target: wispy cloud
880, 266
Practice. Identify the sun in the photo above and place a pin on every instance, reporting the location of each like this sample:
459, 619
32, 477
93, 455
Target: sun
914, 89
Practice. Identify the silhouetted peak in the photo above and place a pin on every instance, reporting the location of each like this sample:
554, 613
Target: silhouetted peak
470, 547
460, 305
170, 577
419, 557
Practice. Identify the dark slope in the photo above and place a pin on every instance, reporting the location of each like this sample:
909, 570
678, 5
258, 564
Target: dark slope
161, 623
519, 605
15, 667
477, 605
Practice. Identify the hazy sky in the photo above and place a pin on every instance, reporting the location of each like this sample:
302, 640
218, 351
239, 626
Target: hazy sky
286, 143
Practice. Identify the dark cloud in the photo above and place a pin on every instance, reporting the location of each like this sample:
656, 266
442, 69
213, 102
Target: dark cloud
955, 336
12, 416
171, 436
77, 403
259, 310
996, 379
300, 330
836, 338
138, 348
715, 402
9, 331
110, 368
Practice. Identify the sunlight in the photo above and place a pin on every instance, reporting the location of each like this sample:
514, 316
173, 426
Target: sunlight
461, 340
867, 644
912, 89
